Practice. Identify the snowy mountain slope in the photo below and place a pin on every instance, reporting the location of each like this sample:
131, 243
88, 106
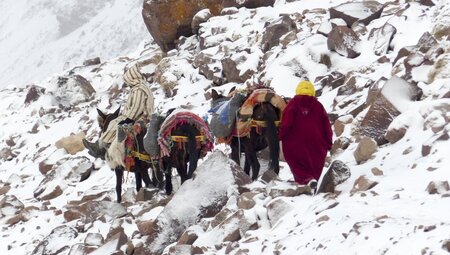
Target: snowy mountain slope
40, 38
395, 212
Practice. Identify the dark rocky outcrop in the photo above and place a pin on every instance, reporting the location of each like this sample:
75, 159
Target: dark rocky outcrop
274, 30
363, 12
344, 41
336, 174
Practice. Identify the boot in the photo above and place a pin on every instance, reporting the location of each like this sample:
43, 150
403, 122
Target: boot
94, 149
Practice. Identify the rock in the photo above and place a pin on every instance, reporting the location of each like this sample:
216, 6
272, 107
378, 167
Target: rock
440, 69
146, 194
363, 184
366, 148
210, 67
288, 38
56, 242
245, 201
93, 210
199, 18
403, 52
334, 79
44, 168
436, 187
393, 135
395, 95
248, 3
113, 245
270, 175
188, 237
183, 249
10, 206
220, 217
426, 42
323, 218
336, 174
446, 245
4, 190
340, 123
364, 12
341, 143
201, 204
34, 92
231, 67
146, 227
289, 190
376, 171
72, 90
229, 11
326, 27
167, 73
94, 239
344, 41
92, 61
72, 143
274, 30
276, 209
51, 193
167, 21
81, 249
382, 37
374, 90
65, 171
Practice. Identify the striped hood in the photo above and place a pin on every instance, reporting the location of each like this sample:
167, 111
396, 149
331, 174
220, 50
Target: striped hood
133, 76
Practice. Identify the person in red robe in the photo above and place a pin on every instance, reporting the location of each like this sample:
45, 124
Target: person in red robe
306, 135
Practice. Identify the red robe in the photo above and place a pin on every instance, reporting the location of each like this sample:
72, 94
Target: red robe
306, 137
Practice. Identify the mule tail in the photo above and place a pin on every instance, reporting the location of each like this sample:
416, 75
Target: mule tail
272, 139
191, 150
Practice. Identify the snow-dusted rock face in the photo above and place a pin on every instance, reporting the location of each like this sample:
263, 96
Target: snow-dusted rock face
202, 196
72, 90
57, 241
344, 41
336, 174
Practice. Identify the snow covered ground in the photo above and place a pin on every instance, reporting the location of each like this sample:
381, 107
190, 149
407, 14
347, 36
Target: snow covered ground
40, 188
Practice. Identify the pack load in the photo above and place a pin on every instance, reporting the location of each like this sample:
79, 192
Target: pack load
151, 137
224, 113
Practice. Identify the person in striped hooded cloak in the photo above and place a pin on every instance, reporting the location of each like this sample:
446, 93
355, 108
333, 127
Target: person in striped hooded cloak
140, 105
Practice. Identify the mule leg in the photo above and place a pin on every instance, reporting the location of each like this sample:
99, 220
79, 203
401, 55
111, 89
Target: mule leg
119, 174
250, 154
143, 169
247, 166
235, 150
168, 175
181, 164
138, 177
274, 147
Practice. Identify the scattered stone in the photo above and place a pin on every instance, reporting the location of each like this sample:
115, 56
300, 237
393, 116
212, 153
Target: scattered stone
363, 184
72, 143
446, 245
34, 92
57, 241
188, 237
4, 189
323, 218
232, 67
393, 135
344, 41
199, 18
274, 30
364, 12
376, 171
269, 175
146, 194
366, 148
94, 239
440, 187
292, 190
73, 90
245, 201
113, 245
426, 42
333, 79
341, 143
336, 174
382, 37
276, 209
92, 62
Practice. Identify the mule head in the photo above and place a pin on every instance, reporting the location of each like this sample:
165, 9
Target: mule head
104, 119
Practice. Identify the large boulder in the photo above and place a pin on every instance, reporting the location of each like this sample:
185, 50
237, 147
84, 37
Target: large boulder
91, 211
365, 149
199, 18
168, 20
202, 196
363, 12
344, 41
210, 67
240, 66
393, 98
34, 92
274, 30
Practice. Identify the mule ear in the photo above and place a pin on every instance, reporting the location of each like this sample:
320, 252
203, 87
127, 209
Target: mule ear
101, 114
116, 113
232, 89
214, 94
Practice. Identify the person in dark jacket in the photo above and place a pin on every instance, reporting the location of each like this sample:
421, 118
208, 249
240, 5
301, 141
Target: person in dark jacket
306, 135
